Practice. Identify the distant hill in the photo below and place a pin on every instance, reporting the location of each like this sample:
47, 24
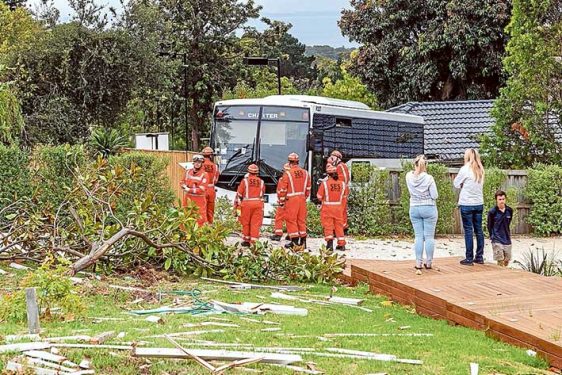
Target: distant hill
328, 51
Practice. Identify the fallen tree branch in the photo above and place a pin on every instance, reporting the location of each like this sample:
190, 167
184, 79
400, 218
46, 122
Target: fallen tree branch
101, 249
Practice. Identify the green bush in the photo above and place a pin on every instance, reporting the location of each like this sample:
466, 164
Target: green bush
446, 203
369, 211
54, 289
313, 223
14, 175
147, 175
544, 190
52, 172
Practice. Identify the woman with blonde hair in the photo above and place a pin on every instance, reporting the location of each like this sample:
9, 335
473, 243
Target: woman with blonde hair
470, 180
423, 210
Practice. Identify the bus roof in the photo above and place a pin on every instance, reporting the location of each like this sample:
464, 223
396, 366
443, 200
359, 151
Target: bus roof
296, 99
330, 106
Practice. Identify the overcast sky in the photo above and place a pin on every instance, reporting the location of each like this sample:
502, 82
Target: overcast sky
314, 21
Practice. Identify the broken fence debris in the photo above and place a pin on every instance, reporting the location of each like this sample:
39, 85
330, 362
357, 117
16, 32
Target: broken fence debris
288, 288
259, 308
219, 355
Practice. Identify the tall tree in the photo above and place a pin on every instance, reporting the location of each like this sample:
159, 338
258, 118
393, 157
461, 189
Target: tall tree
276, 41
528, 113
415, 50
203, 30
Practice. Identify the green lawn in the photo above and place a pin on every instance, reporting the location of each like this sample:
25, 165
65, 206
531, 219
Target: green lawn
448, 351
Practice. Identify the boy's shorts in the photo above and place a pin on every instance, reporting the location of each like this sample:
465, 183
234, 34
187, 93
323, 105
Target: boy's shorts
501, 252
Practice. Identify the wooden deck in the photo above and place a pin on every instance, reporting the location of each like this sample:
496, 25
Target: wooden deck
515, 306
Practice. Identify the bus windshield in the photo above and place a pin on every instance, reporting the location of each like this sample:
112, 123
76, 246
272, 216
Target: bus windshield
237, 138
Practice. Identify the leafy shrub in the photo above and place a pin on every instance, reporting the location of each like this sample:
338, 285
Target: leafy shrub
52, 172
368, 205
544, 190
446, 203
146, 173
313, 223
54, 289
14, 176
224, 213
263, 263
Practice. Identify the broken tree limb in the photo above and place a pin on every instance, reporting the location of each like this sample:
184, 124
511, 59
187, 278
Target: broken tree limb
201, 361
100, 249
242, 362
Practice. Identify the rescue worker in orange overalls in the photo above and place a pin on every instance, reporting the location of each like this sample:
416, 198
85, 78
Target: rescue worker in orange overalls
332, 192
343, 174
195, 186
294, 192
250, 199
213, 175
280, 212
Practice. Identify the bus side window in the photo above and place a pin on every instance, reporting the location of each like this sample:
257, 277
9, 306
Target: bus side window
360, 171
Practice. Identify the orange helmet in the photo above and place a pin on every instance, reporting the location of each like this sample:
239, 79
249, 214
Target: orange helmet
331, 169
253, 169
333, 160
293, 156
337, 154
207, 151
286, 166
197, 158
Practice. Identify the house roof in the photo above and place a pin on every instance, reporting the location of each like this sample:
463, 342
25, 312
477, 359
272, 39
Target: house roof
451, 127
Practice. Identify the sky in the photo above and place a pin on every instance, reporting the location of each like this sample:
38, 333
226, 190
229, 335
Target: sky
314, 21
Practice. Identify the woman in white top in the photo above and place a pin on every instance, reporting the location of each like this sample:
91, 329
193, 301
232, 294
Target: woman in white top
423, 211
471, 204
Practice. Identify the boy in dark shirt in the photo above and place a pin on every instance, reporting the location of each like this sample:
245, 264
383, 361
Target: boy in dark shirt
499, 219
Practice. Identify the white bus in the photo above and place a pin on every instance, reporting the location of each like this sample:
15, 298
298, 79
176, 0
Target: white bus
264, 131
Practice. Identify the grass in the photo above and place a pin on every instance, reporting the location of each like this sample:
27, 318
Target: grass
448, 351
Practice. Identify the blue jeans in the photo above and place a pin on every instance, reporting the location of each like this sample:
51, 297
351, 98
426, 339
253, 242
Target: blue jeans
472, 224
424, 220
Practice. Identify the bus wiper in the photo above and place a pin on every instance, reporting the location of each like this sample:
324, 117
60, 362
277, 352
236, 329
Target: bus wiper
268, 171
236, 154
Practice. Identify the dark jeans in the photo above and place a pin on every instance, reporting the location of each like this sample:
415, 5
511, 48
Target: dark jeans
472, 223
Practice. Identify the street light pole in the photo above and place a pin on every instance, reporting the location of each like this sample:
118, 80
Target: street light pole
265, 61
186, 105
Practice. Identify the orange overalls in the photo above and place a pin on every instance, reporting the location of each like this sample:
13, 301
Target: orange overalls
250, 192
294, 191
343, 175
280, 212
213, 174
332, 194
194, 189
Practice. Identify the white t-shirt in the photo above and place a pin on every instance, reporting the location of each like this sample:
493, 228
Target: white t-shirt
471, 191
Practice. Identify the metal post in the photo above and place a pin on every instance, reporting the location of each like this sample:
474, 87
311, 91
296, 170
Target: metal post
185, 102
32, 310
279, 75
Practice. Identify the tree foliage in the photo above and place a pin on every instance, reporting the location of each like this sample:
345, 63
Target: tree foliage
350, 88
11, 119
276, 42
528, 113
428, 50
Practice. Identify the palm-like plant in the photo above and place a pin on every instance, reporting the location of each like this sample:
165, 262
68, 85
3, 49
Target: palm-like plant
107, 141
540, 262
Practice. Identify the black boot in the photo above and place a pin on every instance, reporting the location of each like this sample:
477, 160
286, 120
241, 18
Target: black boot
276, 237
330, 244
288, 238
245, 244
340, 247
303, 243
294, 243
